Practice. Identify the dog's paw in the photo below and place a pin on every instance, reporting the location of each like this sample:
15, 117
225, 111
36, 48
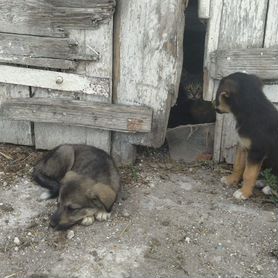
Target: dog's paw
102, 215
45, 196
87, 221
239, 195
229, 180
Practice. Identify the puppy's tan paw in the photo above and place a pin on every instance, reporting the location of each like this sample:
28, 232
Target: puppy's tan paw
102, 215
230, 180
87, 221
240, 195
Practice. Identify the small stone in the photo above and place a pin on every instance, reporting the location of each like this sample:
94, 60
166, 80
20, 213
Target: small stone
17, 241
29, 233
259, 268
125, 214
5, 183
16, 249
267, 190
187, 239
70, 234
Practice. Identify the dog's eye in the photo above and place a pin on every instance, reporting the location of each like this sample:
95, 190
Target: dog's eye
70, 208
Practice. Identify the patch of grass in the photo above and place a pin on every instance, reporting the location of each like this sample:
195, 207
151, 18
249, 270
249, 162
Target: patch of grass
272, 182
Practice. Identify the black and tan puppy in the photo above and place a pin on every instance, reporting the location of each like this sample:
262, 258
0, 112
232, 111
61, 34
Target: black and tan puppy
257, 126
86, 180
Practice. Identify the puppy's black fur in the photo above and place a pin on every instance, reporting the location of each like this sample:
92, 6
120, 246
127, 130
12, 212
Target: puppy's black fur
256, 116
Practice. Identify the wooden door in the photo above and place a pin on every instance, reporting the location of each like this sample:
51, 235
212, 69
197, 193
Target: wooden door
57, 54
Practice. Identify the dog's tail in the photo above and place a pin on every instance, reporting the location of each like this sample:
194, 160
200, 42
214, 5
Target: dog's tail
46, 182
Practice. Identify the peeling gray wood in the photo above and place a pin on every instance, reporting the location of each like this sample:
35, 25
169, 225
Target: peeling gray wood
121, 118
271, 40
122, 151
100, 38
55, 80
38, 62
44, 47
148, 53
53, 14
23, 29
203, 9
260, 61
14, 132
211, 44
271, 30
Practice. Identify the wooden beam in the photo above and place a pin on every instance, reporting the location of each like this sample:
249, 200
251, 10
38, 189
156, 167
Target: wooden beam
105, 116
260, 61
38, 62
43, 47
203, 9
55, 80
50, 13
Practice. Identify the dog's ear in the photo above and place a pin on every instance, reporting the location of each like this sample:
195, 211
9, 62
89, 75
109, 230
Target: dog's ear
104, 194
225, 94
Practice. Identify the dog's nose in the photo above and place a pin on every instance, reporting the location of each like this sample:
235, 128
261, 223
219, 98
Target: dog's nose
54, 220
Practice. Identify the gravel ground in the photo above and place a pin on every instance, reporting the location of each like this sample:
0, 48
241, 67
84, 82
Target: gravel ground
173, 220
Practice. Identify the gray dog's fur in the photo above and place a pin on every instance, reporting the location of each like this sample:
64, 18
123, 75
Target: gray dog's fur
86, 180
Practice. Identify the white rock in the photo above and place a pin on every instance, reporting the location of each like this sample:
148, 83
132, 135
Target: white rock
187, 239
259, 268
17, 241
267, 190
70, 234
5, 183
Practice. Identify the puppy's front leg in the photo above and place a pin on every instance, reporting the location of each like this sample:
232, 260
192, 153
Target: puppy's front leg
102, 215
250, 176
90, 218
238, 168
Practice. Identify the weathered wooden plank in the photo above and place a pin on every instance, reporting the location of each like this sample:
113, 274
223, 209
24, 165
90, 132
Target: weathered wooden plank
203, 9
271, 30
83, 4
38, 62
43, 47
23, 29
12, 131
211, 44
100, 38
148, 50
79, 113
55, 80
44, 13
260, 61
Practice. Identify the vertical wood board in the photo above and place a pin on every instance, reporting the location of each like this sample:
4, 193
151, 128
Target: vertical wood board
148, 40
15, 132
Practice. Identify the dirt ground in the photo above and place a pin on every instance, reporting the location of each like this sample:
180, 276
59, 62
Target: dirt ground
173, 220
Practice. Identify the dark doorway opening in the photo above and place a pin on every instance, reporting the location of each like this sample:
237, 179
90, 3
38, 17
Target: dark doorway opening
190, 107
